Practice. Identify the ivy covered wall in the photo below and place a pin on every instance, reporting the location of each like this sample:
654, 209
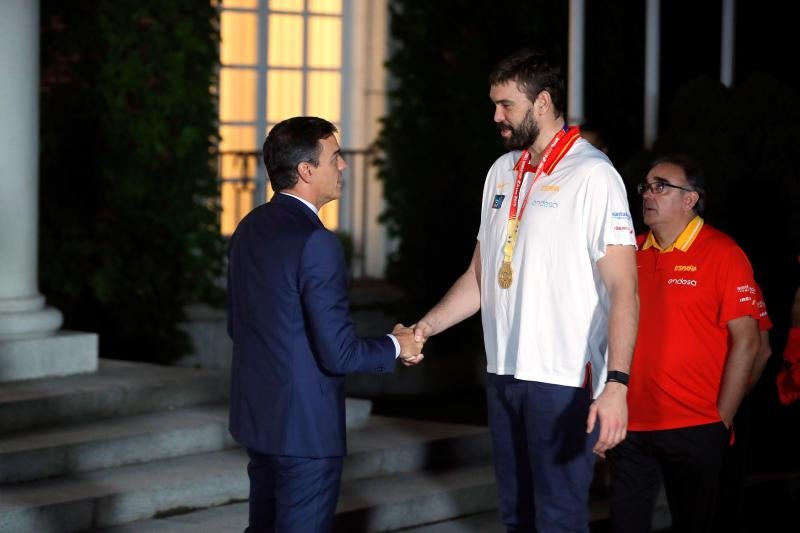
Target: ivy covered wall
129, 195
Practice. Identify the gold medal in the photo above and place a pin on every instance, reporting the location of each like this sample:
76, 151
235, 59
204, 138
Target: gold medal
505, 276
565, 139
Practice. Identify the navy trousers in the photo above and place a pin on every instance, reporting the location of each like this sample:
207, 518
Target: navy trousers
292, 494
542, 454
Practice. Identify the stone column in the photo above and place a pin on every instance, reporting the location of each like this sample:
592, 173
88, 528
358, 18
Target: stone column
652, 70
728, 42
577, 47
30, 345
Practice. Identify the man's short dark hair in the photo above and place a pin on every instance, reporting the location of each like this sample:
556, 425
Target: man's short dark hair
291, 142
534, 71
694, 176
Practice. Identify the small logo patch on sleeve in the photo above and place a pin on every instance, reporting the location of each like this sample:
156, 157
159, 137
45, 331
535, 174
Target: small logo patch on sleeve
498, 201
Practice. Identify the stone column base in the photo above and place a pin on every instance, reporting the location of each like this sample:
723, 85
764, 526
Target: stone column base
208, 330
59, 354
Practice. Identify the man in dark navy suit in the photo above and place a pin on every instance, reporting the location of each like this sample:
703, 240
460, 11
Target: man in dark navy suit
293, 338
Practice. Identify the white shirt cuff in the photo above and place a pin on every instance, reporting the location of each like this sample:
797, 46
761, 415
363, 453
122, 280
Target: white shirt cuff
396, 345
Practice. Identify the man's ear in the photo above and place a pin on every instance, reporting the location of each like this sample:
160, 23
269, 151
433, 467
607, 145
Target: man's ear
691, 200
543, 102
305, 170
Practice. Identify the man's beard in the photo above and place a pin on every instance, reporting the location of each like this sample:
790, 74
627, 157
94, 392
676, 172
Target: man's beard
522, 136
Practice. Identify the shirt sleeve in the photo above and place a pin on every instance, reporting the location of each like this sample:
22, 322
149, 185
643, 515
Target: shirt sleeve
764, 322
607, 217
484, 202
737, 286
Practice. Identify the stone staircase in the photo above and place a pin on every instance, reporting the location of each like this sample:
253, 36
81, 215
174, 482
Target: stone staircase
137, 447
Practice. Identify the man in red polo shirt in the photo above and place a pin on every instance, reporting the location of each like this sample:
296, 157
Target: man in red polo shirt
696, 345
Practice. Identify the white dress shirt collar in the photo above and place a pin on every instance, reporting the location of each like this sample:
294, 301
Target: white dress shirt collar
309, 204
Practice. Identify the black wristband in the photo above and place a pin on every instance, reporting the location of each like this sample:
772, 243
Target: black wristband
617, 377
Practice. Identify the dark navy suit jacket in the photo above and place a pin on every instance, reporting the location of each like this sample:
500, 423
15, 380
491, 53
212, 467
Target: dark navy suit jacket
293, 338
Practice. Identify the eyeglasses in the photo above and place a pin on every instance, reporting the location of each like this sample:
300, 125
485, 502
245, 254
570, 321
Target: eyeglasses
657, 187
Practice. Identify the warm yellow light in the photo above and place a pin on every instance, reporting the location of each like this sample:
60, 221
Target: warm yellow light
237, 201
236, 197
238, 38
325, 42
285, 47
247, 4
324, 95
333, 7
286, 5
284, 94
329, 215
238, 139
237, 95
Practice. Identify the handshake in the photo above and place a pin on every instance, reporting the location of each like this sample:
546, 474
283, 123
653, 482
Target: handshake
410, 346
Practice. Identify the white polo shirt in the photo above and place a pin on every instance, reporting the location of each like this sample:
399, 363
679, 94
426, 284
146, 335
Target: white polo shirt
553, 320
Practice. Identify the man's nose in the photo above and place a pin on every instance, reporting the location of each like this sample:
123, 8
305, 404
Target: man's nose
499, 116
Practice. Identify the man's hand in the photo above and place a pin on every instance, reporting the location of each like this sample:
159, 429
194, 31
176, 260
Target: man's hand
410, 349
422, 330
611, 408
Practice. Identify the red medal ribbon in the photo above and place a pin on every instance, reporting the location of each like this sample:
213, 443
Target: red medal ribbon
559, 145
556, 150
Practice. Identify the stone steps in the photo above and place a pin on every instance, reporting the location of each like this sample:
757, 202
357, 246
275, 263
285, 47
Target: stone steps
233, 518
385, 503
123, 494
118, 388
486, 522
386, 452
223, 519
402, 500
387, 446
126, 413
35, 454
145, 447
489, 522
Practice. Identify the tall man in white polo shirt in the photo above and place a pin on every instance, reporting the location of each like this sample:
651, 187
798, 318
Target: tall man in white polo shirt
554, 274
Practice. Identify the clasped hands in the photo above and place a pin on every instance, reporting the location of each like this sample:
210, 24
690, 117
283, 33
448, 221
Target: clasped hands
410, 348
